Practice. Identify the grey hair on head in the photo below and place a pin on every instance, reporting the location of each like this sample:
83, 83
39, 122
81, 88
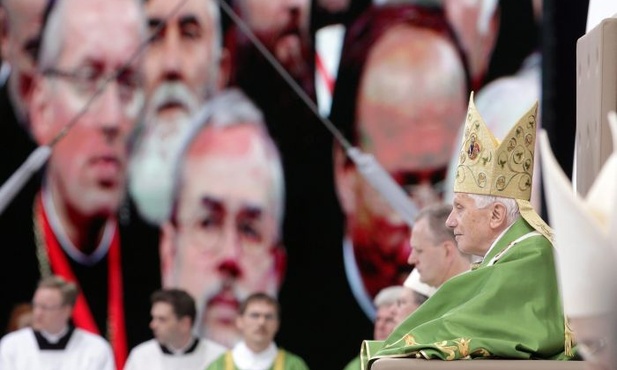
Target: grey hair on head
512, 211
231, 107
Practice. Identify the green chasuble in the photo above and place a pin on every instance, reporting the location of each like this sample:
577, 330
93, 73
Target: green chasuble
284, 361
507, 307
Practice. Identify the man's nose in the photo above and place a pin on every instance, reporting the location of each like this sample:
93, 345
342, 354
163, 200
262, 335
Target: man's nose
110, 112
412, 260
451, 221
172, 57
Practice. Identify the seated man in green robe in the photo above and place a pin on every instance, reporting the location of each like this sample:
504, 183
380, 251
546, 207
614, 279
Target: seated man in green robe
508, 305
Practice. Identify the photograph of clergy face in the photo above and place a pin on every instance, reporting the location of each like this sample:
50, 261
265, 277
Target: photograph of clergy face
283, 27
86, 172
184, 66
406, 109
222, 241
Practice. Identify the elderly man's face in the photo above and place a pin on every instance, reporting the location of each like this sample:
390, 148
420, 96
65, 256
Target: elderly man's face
184, 66
181, 63
471, 225
405, 305
385, 321
87, 167
410, 105
223, 245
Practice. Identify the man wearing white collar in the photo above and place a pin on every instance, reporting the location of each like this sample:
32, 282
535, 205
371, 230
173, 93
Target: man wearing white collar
258, 321
174, 345
53, 342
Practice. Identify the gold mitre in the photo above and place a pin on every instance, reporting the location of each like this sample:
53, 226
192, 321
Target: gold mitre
487, 166
585, 234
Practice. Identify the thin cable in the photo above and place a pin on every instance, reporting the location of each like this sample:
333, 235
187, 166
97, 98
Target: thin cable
283, 72
370, 169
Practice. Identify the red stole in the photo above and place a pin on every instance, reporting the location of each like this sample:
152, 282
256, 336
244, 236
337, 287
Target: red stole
55, 259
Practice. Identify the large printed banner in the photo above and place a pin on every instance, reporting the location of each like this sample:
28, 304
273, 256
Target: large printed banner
204, 146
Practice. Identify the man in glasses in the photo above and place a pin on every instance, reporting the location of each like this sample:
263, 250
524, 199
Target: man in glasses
88, 83
222, 240
53, 342
401, 98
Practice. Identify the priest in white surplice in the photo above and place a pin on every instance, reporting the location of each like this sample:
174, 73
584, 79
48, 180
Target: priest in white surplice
174, 347
53, 342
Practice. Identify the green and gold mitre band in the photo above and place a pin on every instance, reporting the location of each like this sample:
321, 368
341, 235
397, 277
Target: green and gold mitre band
487, 166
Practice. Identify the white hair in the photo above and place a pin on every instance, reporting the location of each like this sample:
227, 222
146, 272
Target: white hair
388, 296
512, 211
52, 35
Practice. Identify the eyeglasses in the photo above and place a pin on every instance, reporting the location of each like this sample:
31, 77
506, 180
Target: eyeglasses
251, 225
90, 80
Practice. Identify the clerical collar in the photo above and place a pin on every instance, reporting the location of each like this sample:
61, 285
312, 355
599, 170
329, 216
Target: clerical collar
66, 244
246, 359
48, 341
190, 348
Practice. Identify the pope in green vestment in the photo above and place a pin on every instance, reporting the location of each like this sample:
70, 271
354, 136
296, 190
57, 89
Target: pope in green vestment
284, 361
509, 305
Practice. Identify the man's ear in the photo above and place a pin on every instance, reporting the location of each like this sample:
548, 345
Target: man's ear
224, 68
450, 248
345, 178
167, 252
499, 215
39, 112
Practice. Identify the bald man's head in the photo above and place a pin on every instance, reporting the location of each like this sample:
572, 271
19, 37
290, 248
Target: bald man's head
411, 100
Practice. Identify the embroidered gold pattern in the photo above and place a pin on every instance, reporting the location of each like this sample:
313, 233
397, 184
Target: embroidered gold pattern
409, 340
510, 173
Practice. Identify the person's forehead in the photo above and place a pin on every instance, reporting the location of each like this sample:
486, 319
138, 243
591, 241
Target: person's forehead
238, 139
162, 309
462, 197
405, 295
24, 10
48, 293
259, 306
101, 28
235, 152
162, 9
